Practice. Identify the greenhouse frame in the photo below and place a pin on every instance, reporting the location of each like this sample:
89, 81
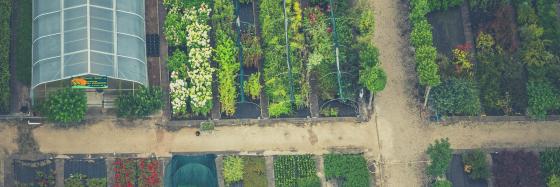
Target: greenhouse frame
88, 38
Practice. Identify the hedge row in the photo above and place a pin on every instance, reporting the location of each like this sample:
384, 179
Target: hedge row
6, 7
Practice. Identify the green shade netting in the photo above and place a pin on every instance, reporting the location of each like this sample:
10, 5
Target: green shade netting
191, 171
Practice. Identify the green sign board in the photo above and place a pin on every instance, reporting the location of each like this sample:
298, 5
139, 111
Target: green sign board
95, 82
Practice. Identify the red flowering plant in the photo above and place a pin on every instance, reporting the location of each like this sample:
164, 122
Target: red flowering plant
142, 172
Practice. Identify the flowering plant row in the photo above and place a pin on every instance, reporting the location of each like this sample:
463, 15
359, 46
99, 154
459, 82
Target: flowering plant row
191, 73
137, 172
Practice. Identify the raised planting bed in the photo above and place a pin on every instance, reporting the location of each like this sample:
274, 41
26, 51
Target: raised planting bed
498, 73
448, 31
254, 171
191, 171
550, 164
347, 170
517, 169
137, 172
85, 172
34, 173
458, 177
187, 26
295, 170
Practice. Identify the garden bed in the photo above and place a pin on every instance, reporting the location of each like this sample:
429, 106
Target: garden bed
295, 170
498, 75
347, 170
517, 169
89, 172
137, 172
34, 173
456, 174
191, 170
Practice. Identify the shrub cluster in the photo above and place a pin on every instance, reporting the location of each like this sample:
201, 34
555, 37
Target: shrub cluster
5, 35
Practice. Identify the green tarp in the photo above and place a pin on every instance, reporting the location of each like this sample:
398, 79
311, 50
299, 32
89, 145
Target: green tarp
191, 171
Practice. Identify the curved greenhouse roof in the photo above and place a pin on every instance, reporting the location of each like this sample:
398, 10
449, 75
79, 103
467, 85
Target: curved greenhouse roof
88, 37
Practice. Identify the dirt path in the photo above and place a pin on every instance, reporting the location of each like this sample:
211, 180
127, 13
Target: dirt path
107, 137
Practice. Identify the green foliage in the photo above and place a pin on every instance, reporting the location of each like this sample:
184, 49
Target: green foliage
421, 34
485, 5
553, 181
550, 162
23, 26
312, 181
66, 105
367, 22
329, 111
290, 169
245, 1
369, 55
419, 9
548, 18
428, 70
543, 97
252, 51
351, 169
254, 171
373, 78
443, 4
456, 97
279, 109
253, 86
183, 3
225, 56
319, 39
440, 157
233, 169
442, 183
80, 180
207, 126
177, 63
140, 103
476, 160
5, 35
533, 51
276, 75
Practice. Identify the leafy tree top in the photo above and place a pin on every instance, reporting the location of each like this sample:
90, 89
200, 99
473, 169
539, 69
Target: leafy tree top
440, 157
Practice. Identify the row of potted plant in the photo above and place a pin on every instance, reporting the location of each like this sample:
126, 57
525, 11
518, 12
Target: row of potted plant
137, 172
191, 72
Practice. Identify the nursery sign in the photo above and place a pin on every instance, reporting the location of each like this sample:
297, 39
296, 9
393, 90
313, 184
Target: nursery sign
89, 82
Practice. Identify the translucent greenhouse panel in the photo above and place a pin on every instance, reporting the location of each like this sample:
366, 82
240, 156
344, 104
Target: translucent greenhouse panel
131, 69
75, 64
102, 3
130, 46
102, 64
72, 3
102, 41
75, 18
130, 24
46, 47
45, 6
75, 41
47, 70
132, 6
46, 25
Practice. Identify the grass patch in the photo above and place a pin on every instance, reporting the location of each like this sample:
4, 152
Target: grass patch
23, 41
254, 171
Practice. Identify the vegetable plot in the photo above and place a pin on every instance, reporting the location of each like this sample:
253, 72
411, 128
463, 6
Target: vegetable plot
295, 170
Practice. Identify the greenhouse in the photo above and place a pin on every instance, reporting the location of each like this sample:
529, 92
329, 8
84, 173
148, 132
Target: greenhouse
88, 44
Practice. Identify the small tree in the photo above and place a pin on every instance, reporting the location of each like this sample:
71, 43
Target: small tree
476, 165
142, 102
65, 106
440, 156
233, 169
374, 79
428, 70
